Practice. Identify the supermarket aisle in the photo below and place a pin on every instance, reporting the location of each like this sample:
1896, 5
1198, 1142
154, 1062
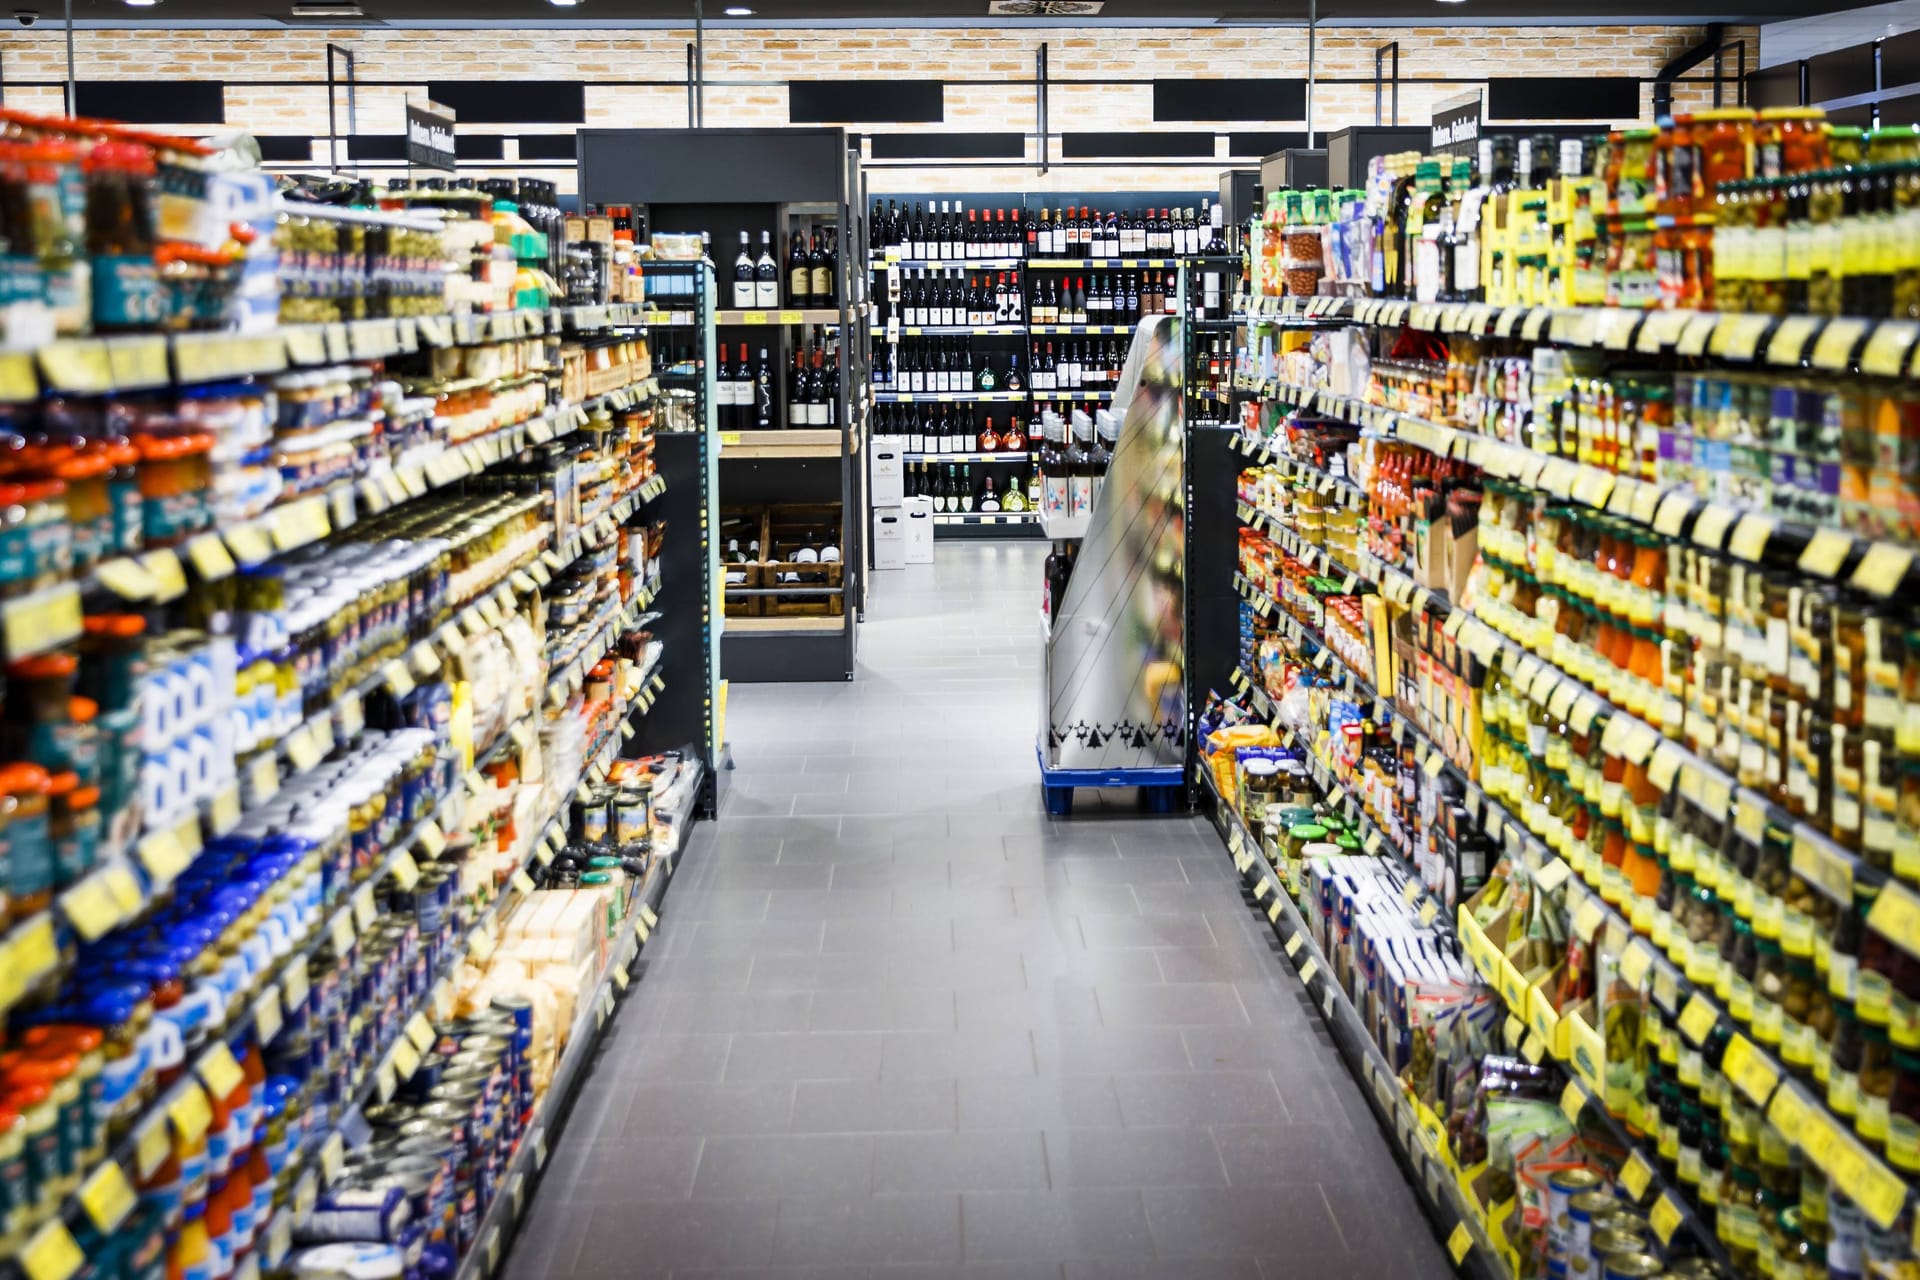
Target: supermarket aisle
898, 1024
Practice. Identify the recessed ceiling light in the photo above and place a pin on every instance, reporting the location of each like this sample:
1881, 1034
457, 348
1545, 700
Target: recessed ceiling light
143, 4
739, 11
563, 4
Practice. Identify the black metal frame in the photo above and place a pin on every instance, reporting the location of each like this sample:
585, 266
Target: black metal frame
756, 158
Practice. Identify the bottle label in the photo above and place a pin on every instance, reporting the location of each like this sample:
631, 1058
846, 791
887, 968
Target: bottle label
766, 293
1054, 488
126, 291
1079, 495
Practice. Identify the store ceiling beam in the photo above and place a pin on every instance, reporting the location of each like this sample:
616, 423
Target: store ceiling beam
972, 13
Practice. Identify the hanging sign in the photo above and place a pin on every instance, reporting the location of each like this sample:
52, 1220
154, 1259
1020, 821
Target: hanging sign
1456, 124
430, 135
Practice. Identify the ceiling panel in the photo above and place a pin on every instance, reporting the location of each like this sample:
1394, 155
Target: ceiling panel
883, 12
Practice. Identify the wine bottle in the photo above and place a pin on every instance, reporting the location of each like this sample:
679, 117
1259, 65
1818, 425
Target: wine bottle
725, 414
766, 276
799, 273
820, 263
763, 393
743, 286
797, 391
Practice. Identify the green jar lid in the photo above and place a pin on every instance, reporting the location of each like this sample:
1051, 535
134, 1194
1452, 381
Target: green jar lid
1307, 832
596, 878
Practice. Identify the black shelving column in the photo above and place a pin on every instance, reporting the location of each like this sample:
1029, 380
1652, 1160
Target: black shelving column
685, 709
723, 181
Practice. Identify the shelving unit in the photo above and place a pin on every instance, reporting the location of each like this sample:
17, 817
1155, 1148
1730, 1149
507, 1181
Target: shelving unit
1548, 677
721, 181
889, 259
144, 861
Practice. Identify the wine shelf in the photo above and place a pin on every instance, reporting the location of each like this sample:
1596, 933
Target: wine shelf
828, 316
1002, 455
987, 518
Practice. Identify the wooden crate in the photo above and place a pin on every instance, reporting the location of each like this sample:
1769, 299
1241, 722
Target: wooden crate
782, 531
744, 525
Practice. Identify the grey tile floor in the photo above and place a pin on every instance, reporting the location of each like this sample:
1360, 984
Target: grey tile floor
896, 1022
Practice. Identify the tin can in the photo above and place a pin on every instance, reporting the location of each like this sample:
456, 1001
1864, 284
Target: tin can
1631, 1266
1610, 1241
1580, 1211
1562, 1187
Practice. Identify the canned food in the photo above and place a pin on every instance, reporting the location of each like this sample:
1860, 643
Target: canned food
1562, 1187
1579, 1232
1631, 1266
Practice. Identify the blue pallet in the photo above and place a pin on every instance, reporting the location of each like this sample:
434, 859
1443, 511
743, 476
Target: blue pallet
1162, 787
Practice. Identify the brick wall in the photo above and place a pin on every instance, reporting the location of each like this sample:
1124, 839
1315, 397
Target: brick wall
746, 72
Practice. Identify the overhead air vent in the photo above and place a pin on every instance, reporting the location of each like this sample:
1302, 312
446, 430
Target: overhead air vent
1044, 8
327, 9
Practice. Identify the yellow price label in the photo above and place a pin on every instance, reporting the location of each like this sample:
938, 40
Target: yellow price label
107, 1196
420, 1031
1896, 916
267, 1017
1698, 1018
1749, 540
1882, 569
1665, 1217
52, 1253
333, 1156
1635, 960
1260, 888
303, 753
1825, 552
432, 839
190, 1114
1459, 1243
1834, 347
406, 872
363, 910
406, 1058
90, 907
1636, 1175
221, 1074
1573, 1100
521, 881
1308, 970
1293, 945
340, 929
164, 856
1750, 1069
1273, 912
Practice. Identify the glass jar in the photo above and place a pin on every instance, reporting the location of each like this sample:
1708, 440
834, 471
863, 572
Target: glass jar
1876, 1086
1770, 984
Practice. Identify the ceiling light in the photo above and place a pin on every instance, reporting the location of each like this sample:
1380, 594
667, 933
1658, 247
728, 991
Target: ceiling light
321, 9
1044, 8
739, 11
143, 4
563, 4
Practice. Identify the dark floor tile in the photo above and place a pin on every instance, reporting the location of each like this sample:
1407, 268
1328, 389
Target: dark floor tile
771, 1166
956, 904
548, 1240
708, 1109
668, 1059
711, 1012
1039, 1102
696, 973
827, 972
1191, 1004
676, 1234
1180, 1157
609, 1170
885, 1009
1228, 963
985, 971
1184, 1269
1104, 932
1096, 871
758, 938
797, 1056
1199, 1098
829, 904
1047, 1004
939, 1055
1213, 1222
1074, 1051
987, 1160
1058, 1225
779, 875
1079, 966
1031, 935
885, 1229
882, 935
1076, 900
